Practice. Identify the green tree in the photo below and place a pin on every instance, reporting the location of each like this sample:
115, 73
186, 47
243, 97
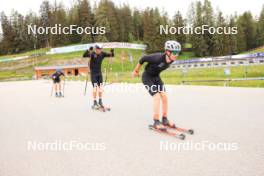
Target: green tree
220, 41
207, 19
199, 44
45, 21
260, 28
137, 28
126, 24
232, 38
241, 37
19, 31
59, 17
160, 19
178, 21
149, 29
31, 40
8, 35
86, 19
101, 19
106, 15
73, 18
247, 27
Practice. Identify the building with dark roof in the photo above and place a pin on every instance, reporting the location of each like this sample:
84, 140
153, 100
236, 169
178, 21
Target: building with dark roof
69, 70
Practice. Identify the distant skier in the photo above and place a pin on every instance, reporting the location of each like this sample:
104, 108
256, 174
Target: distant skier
94, 68
57, 82
156, 63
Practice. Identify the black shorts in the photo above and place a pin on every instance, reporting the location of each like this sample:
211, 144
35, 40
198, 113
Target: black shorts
55, 81
153, 84
96, 79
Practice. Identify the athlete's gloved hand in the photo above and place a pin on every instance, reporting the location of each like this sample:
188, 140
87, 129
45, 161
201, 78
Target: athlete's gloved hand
112, 52
91, 48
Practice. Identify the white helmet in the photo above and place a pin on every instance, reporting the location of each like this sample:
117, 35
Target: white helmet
172, 45
98, 46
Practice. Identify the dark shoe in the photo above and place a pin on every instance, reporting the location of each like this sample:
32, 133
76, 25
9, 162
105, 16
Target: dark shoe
167, 123
101, 103
159, 126
95, 103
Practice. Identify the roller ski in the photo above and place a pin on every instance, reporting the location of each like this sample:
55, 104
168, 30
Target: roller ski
59, 95
158, 127
100, 107
167, 124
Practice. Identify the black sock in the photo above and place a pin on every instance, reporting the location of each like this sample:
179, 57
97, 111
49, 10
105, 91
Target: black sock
165, 120
156, 121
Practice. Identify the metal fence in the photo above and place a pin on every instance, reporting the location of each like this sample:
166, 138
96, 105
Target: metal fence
213, 64
225, 81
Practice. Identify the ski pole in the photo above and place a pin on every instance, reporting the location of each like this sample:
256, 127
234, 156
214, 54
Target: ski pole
109, 67
64, 86
52, 90
90, 52
86, 84
105, 76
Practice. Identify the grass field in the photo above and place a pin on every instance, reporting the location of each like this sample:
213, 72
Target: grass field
260, 49
177, 76
121, 71
43, 50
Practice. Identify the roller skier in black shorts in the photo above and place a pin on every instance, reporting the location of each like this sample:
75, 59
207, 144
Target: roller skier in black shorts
156, 63
57, 82
94, 68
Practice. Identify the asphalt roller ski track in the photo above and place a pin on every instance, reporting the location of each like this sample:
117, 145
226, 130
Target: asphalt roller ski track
217, 114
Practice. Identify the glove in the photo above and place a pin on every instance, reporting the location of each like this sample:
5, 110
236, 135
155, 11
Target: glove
112, 50
91, 48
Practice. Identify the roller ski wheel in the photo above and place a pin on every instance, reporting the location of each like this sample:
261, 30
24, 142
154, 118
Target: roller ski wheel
95, 107
182, 136
190, 131
167, 132
61, 95
104, 109
187, 131
100, 108
173, 126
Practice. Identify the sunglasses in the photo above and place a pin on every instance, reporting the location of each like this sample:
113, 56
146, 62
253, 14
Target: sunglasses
176, 53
